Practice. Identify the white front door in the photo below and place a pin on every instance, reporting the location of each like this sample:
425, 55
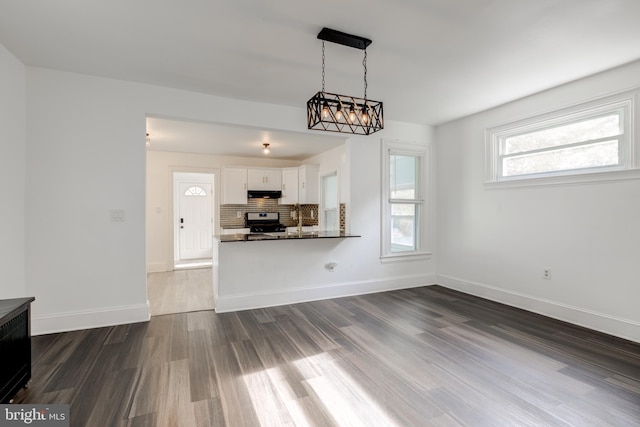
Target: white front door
195, 220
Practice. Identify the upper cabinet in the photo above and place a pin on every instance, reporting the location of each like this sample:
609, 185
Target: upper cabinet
289, 186
308, 184
234, 186
265, 179
298, 184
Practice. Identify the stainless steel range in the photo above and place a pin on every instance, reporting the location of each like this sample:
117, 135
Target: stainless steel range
264, 222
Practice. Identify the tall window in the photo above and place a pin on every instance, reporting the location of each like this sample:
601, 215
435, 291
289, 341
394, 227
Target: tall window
330, 202
404, 195
588, 138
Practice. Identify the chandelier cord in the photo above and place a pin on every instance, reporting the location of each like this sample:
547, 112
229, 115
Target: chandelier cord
323, 65
364, 63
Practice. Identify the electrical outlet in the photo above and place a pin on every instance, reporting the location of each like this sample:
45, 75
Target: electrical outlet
546, 274
238, 214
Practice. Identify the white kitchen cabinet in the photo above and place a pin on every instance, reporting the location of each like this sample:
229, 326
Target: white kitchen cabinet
234, 186
289, 186
308, 184
265, 179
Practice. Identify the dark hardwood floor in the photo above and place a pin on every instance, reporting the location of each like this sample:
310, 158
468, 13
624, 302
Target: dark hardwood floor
420, 357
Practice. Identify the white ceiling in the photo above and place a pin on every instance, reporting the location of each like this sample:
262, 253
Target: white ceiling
431, 61
224, 140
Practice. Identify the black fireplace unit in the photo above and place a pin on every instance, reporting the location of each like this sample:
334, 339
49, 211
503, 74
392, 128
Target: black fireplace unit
15, 346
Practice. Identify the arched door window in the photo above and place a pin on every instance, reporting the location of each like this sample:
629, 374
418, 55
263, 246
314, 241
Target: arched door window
195, 191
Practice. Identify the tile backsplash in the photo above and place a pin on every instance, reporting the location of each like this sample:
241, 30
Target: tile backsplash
229, 213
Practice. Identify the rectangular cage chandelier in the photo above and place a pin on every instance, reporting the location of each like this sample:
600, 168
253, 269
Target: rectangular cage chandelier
342, 113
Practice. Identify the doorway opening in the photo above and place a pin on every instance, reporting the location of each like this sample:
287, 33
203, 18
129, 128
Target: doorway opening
185, 284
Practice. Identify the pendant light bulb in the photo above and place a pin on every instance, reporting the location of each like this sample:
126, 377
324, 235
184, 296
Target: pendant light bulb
339, 114
265, 149
352, 114
325, 110
365, 115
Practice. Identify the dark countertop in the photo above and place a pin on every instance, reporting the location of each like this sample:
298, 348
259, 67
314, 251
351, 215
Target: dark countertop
284, 236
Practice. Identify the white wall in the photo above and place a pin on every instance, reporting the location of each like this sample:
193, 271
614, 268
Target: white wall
496, 242
365, 215
299, 273
12, 175
86, 156
334, 160
160, 167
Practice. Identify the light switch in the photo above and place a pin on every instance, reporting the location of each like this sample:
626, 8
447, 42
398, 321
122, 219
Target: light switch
117, 215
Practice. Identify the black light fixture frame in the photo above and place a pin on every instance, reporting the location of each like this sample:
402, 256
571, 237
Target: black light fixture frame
330, 111
335, 36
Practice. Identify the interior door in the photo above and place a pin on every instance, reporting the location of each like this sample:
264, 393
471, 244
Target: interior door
196, 220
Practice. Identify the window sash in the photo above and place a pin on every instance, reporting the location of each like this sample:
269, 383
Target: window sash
331, 219
392, 187
568, 160
532, 153
564, 122
405, 229
564, 146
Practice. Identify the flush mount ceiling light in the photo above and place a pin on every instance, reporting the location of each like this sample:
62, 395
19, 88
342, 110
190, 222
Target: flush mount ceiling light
265, 149
341, 113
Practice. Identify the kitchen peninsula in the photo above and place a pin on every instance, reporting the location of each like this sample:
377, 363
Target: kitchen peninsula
270, 269
269, 250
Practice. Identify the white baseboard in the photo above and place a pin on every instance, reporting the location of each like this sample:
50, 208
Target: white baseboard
249, 301
158, 267
74, 321
619, 327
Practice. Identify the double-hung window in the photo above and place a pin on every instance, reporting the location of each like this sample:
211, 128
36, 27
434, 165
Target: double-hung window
330, 220
403, 200
585, 139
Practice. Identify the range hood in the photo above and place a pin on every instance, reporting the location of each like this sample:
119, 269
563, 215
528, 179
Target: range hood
264, 194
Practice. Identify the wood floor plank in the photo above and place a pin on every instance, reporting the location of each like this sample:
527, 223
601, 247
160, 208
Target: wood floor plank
307, 413
208, 413
286, 375
143, 398
175, 407
266, 398
147, 420
235, 399
425, 356
203, 380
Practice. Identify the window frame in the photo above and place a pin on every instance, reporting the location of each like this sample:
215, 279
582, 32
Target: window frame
390, 148
323, 208
623, 104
